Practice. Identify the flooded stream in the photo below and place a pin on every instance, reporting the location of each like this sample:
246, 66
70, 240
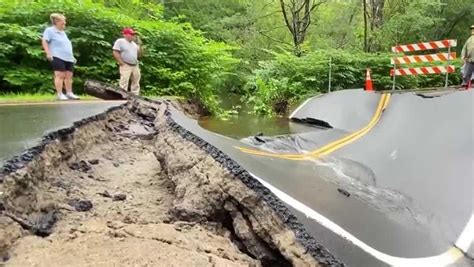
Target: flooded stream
247, 124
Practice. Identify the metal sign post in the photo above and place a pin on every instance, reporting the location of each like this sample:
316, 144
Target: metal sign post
447, 66
330, 70
394, 75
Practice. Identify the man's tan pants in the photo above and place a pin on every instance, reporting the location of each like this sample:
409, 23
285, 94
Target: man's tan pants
131, 74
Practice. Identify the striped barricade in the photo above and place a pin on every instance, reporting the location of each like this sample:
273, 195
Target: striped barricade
410, 59
424, 70
424, 46
423, 58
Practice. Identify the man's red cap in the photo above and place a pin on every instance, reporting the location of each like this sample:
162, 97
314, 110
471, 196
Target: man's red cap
128, 31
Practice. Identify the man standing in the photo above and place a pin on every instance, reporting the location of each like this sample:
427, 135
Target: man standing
126, 51
467, 55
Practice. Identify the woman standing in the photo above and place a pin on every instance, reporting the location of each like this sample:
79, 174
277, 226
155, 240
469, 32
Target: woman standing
58, 50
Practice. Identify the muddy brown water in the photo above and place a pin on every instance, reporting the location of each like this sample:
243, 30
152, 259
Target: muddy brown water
245, 125
22, 126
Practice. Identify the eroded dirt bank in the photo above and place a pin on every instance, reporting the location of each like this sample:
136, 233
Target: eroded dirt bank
127, 188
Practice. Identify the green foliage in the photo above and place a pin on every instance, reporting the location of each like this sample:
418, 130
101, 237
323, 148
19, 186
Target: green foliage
178, 60
288, 78
202, 49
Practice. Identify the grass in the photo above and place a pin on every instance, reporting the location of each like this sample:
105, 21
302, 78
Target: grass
34, 98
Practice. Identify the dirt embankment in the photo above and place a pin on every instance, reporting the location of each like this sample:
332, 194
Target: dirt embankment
125, 189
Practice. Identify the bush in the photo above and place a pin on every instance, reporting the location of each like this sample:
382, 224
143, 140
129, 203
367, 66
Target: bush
178, 60
287, 78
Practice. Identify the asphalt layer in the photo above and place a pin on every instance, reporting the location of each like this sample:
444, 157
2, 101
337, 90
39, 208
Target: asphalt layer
423, 148
175, 120
408, 181
347, 110
23, 124
392, 187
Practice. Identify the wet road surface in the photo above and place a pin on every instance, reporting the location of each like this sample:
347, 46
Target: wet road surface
398, 209
22, 126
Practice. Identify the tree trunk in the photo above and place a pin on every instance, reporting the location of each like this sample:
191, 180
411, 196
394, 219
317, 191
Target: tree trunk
297, 16
375, 13
364, 6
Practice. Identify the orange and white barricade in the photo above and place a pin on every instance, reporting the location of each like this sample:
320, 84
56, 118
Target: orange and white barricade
409, 59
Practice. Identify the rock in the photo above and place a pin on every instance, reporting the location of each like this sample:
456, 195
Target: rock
344, 192
115, 225
119, 197
105, 194
5, 258
93, 161
43, 225
81, 205
61, 184
117, 234
259, 139
81, 166
40, 225
129, 220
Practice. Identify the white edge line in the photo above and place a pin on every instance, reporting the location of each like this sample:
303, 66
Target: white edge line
464, 241
301, 106
449, 257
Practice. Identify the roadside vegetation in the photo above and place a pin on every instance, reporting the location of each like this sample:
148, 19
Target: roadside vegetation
207, 50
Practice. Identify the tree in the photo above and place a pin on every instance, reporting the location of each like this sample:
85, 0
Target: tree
373, 15
297, 15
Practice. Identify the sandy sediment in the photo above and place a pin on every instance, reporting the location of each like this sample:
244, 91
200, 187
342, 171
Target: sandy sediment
128, 188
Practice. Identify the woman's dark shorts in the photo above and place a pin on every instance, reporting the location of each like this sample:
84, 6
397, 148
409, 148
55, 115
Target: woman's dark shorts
61, 65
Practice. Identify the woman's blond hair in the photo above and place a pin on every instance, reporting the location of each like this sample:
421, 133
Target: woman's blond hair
55, 17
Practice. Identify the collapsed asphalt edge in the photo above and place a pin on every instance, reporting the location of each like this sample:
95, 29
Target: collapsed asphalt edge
315, 249
20, 161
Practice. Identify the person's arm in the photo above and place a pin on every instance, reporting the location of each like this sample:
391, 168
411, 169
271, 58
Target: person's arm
140, 51
118, 57
45, 42
140, 46
464, 52
116, 52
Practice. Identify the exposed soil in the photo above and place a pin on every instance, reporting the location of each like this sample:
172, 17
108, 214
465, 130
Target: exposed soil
125, 189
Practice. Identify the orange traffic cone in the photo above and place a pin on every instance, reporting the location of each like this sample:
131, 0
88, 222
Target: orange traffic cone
368, 81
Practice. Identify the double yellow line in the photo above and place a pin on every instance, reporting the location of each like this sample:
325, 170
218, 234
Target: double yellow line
333, 146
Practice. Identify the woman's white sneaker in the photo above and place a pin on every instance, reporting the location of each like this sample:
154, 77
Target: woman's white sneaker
72, 96
61, 96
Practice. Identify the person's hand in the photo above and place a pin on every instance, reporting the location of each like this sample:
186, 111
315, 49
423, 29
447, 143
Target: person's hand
138, 40
75, 61
49, 57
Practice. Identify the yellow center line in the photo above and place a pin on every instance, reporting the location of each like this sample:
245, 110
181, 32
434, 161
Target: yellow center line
333, 146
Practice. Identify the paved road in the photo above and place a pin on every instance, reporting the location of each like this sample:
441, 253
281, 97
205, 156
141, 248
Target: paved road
23, 125
410, 176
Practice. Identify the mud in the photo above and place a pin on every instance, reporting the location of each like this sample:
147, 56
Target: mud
131, 187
